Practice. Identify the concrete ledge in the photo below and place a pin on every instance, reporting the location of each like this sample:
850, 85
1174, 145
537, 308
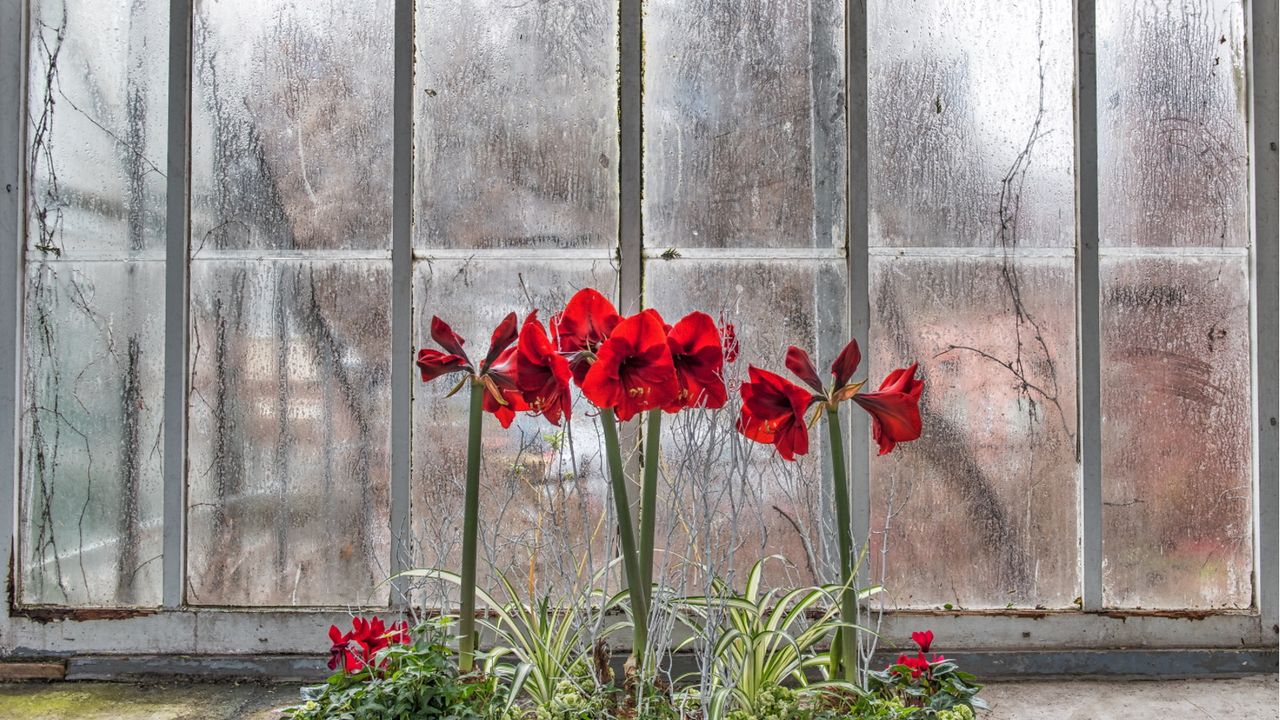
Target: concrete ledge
1109, 664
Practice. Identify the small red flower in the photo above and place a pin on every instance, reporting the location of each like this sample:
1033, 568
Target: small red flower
894, 408
579, 331
698, 358
923, 640
542, 374
729, 338
496, 371
916, 665
357, 649
633, 370
773, 412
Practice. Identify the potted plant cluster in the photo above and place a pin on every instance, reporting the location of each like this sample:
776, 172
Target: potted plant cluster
764, 653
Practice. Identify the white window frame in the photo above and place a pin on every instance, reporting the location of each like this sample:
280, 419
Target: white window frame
274, 641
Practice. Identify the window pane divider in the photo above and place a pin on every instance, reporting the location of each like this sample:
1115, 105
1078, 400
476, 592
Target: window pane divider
1263, 73
402, 301
1088, 325
177, 305
858, 260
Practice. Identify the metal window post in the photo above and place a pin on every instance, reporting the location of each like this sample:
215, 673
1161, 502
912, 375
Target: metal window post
630, 153
12, 240
1264, 119
176, 306
402, 299
1087, 286
857, 257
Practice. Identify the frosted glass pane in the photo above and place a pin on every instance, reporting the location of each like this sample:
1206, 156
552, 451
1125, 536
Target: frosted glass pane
97, 87
1172, 142
291, 125
981, 511
726, 501
516, 124
744, 123
1176, 409
91, 428
289, 435
971, 123
544, 491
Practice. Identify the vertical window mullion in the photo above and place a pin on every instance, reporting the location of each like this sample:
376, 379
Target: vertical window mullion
176, 310
630, 152
859, 225
402, 297
12, 65
1264, 119
1087, 285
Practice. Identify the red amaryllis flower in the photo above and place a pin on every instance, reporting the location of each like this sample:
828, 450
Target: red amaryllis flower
633, 370
542, 374
894, 408
698, 357
496, 371
579, 331
923, 640
773, 412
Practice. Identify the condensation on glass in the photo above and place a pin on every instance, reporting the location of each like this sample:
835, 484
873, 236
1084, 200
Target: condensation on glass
971, 146
724, 501
1173, 165
1176, 433
1172, 140
289, 433
744, 124
980, 512
94, 299
971, 123
545, 511
290, 294
516, 124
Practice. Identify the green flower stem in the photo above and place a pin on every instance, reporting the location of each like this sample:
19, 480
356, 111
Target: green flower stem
649, 502
626, 533
844, 647
470, 530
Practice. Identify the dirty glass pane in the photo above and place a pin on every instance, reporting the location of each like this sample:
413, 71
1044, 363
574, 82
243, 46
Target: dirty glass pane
289, 432
1176, 403
744, 123
291, 125
545, 517
726, 501
971, 123
516, 124
980, 512
97, 97
91, 426
1172, 142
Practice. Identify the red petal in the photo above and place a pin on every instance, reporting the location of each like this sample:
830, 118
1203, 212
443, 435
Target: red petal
846, 363
799, 363
503, 336
542, 374
588, 320
451, 341
434, 363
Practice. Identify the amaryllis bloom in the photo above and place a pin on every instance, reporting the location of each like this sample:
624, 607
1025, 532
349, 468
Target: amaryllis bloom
356, 649
698, 356
633, 370
894, 408
542, 374
579, 331
923, 640
773, 411
496, 371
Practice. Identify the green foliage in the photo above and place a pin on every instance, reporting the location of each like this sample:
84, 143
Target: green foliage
418, 681
759, 641
942, 688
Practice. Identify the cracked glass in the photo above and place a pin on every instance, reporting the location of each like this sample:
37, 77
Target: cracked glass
94, 302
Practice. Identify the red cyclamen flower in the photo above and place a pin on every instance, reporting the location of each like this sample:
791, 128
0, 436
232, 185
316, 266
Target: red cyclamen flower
542, 374
496, 371
586, 322
698, 356
773, 412
633, 370
357, 649
923, 640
